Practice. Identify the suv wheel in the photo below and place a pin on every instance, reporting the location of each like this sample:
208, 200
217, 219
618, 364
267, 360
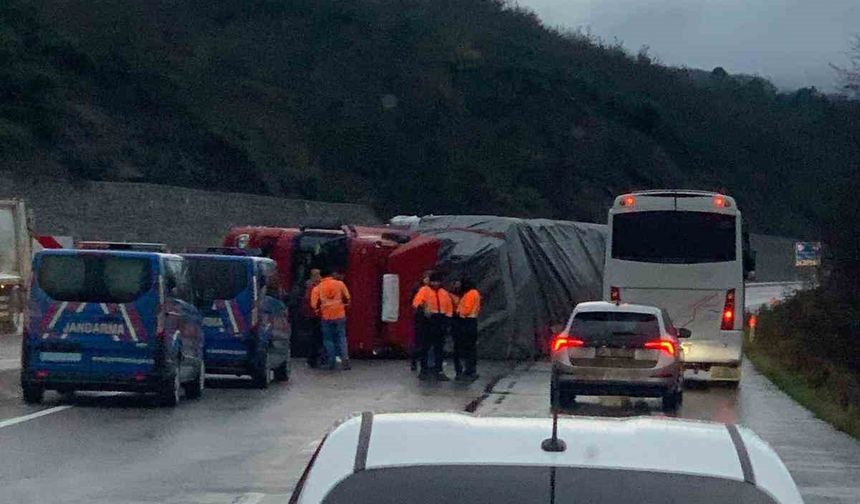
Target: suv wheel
672, 400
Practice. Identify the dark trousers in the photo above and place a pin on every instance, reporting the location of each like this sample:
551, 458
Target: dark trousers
315, 342
433, 341
465, 333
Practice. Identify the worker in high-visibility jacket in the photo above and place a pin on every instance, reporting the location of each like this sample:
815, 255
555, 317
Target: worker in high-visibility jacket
437, 307
330, 299
465, 332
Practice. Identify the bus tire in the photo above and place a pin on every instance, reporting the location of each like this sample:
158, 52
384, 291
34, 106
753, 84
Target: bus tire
33, 394
195, 389
168, 394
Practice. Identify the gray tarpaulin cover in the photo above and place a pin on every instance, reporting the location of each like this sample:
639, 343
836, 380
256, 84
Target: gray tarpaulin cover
530, 274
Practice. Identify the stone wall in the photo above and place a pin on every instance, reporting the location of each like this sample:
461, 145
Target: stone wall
178, 216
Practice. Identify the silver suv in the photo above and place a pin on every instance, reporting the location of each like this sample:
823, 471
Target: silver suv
618, 349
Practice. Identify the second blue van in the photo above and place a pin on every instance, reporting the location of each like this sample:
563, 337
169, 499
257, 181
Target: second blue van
245, 324
111, 320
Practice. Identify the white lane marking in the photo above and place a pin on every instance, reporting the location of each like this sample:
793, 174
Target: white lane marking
249, 498
32, 416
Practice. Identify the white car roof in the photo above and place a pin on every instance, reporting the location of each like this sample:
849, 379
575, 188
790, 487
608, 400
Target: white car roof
642, 443
605, 306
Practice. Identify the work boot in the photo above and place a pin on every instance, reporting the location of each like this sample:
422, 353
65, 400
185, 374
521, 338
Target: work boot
424, 376
345, 365
440, 376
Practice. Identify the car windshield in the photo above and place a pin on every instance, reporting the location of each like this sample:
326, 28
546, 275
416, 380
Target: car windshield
94, 278
476, 484
214, 279
606, 324
673, 237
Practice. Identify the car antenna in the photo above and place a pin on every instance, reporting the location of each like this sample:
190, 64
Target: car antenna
554, 444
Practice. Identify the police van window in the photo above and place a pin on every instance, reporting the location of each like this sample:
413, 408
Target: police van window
216, 279
94, 278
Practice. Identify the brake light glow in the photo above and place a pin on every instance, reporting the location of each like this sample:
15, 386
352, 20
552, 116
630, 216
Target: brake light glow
615, 294
139, 377
728, 321
721, 202
753, 321
666, 346
41, 374
561, 342
628, 201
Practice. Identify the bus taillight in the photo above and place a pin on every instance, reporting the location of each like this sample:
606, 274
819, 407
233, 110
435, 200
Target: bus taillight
628, 201
728, 320
615, 294
721, 201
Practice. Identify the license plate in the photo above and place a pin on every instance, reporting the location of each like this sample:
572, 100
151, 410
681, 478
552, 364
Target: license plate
59, 357
723, 373
615, 352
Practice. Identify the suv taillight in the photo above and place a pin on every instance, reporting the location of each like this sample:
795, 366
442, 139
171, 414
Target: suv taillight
615, 294
666, 346
561, 342
728, 317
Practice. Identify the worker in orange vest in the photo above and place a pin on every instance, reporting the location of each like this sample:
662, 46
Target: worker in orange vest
465, 332
330, 299
437, 307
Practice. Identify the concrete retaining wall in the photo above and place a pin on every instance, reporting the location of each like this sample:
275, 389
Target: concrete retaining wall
177, 216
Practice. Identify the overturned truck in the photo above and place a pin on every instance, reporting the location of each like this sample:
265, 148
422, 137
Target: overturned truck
531, 272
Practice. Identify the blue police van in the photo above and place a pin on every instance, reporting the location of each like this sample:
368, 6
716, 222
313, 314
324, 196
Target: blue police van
245, 324
112, 320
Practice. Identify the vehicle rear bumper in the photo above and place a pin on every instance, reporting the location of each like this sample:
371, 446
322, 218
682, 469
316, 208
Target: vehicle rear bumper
650, 382
723, 350
59, 380
228, 361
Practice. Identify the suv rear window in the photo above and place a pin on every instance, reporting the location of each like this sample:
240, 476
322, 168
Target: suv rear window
213, 279
92, 278
673, 237
473, 484
588, 325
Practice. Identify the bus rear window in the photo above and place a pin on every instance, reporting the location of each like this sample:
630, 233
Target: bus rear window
94, 278
214, 279
674, 237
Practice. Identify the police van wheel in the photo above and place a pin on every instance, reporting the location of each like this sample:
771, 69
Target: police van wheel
282, 372
169, 394
261, 375
33, 394
194, 389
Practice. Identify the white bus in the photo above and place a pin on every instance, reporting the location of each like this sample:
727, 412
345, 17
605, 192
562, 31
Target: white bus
684, 251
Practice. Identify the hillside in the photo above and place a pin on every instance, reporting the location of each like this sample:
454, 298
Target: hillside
413, 106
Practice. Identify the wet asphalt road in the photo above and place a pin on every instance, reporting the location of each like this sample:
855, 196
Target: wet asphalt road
238, 445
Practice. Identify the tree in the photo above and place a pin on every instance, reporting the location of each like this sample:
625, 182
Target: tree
850, 75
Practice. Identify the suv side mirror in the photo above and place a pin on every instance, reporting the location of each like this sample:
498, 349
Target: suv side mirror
684, 333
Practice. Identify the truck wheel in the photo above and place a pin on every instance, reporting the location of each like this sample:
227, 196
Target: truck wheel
33, 394
168, 394
194, 389
261, 375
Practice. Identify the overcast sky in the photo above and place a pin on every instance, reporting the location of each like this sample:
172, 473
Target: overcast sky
790, 42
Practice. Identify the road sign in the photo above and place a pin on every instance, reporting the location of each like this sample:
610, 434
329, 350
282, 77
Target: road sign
807, 253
